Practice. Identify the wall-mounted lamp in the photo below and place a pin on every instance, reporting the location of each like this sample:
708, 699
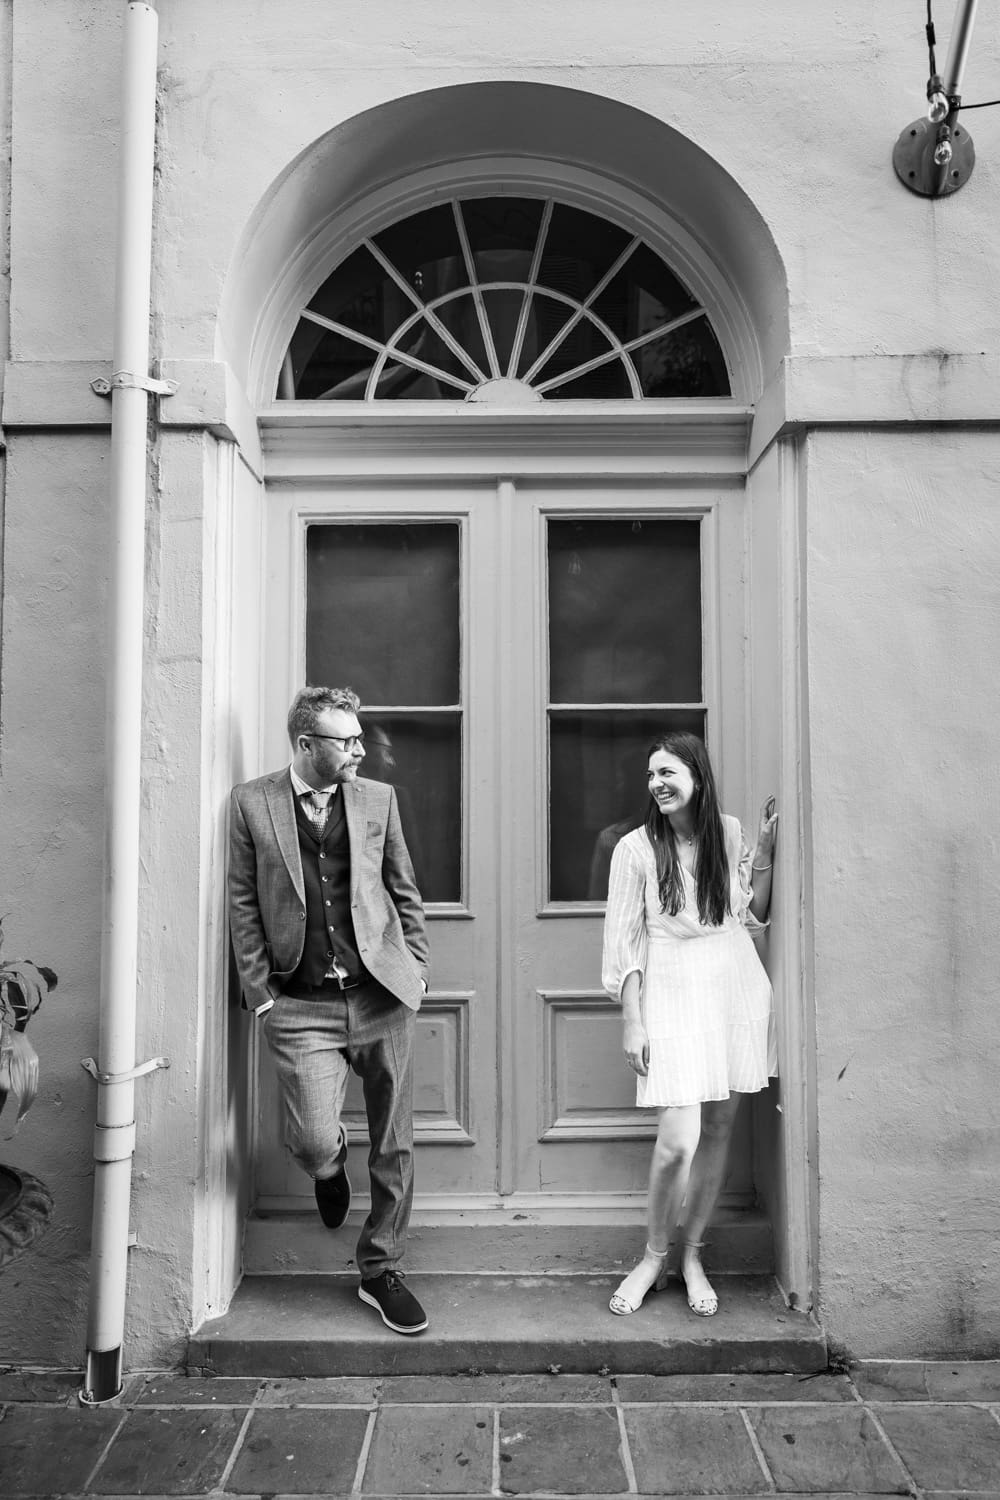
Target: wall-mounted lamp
935, 156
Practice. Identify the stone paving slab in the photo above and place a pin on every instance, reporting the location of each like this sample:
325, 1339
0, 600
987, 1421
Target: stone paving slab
330, 1390
560, 1450
755, 1389
497, 1389
431, 1450
948, 1446
826, 1448
927, 1380
40, 1385
299, 1451
693, 1451
182, 1451
181, 1390
51, 1450
962, 1495
171, 1435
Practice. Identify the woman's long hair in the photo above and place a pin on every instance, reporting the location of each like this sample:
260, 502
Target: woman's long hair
712, 869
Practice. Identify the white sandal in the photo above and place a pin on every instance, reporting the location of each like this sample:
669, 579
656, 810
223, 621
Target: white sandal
621, 1303
707, 1305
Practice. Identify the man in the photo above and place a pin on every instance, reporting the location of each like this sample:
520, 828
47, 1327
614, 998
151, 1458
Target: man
328, 932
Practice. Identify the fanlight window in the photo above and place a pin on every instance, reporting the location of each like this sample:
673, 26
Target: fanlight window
507, 300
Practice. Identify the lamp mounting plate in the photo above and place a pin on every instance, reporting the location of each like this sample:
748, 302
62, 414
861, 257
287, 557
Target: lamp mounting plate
913, 159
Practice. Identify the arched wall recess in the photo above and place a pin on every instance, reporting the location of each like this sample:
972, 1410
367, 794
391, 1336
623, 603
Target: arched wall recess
606, 157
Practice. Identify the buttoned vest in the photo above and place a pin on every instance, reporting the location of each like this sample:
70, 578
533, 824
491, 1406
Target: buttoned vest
326, 871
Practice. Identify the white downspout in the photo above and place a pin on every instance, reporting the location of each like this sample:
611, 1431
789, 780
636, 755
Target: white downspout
114, 1136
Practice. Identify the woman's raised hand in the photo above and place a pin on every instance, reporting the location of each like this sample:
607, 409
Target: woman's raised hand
766, 833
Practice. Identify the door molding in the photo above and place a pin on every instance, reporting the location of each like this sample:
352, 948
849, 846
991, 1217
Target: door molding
306, 442
692, 444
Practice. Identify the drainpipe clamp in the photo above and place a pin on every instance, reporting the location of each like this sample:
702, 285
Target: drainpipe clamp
124, 380
114, 1142
90, 1066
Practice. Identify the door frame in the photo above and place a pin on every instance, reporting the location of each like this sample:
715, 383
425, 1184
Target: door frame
671, 441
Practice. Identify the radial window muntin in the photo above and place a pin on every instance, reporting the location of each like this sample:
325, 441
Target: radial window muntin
481, 374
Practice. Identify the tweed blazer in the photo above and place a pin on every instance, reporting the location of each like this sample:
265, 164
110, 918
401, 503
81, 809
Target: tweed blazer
267, 895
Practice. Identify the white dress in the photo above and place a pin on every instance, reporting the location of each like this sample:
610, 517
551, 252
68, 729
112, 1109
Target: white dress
706, 998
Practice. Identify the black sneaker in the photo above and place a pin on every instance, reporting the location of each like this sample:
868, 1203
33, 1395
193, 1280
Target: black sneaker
333, 1194
399, 1309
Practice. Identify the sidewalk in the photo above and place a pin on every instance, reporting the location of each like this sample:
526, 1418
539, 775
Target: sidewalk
886, 1428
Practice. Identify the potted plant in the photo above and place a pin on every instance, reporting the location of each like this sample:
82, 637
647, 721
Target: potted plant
25, 1203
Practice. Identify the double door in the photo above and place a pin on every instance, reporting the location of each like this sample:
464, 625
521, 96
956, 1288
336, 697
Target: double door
516, 645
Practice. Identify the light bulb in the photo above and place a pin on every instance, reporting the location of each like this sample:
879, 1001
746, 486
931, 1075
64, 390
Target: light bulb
942, 153
937, 107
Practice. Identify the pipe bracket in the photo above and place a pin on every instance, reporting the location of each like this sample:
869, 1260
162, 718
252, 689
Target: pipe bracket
114, 1142
124, 380
90, 1066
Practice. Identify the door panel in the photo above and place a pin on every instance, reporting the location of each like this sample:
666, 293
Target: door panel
382, 584
623, 644
515, 647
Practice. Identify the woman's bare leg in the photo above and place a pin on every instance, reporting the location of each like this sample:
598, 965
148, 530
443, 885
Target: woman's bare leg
674, 1151
708, 1172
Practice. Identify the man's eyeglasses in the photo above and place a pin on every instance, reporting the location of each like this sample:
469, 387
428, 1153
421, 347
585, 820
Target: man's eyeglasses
346, 742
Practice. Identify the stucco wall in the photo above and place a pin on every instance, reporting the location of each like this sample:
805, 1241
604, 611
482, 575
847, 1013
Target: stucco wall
801, 107
903, 561
899, 538
51, 832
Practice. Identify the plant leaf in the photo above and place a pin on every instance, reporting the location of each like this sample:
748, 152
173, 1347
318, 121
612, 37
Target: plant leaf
18, 1069
32, 985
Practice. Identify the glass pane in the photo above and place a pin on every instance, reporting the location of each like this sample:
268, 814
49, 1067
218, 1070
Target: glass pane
503, 310
624, 610
362, 296
643, 294
461, 319
403, 383
688, 362
582, 343
423, 342
546, 317
421, 756
326, 366
425, 249
382, 611
502, 234
608, 382
579, 249
597, 765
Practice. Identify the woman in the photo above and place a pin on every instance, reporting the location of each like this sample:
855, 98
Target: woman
684, 894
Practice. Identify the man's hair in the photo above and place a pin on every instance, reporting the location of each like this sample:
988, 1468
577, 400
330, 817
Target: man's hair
310, 702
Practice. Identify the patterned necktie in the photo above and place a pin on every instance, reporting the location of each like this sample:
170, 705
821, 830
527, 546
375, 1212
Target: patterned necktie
316, 805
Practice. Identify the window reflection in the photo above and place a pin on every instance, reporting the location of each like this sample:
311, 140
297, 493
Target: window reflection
382, 614
420, 755
383, 610
624, 610
624, 628
598, 790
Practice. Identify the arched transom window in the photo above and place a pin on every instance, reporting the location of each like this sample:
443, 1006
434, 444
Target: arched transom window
506, 300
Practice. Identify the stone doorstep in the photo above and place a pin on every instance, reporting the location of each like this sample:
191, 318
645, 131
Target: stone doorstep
497, 1324
286, 1243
